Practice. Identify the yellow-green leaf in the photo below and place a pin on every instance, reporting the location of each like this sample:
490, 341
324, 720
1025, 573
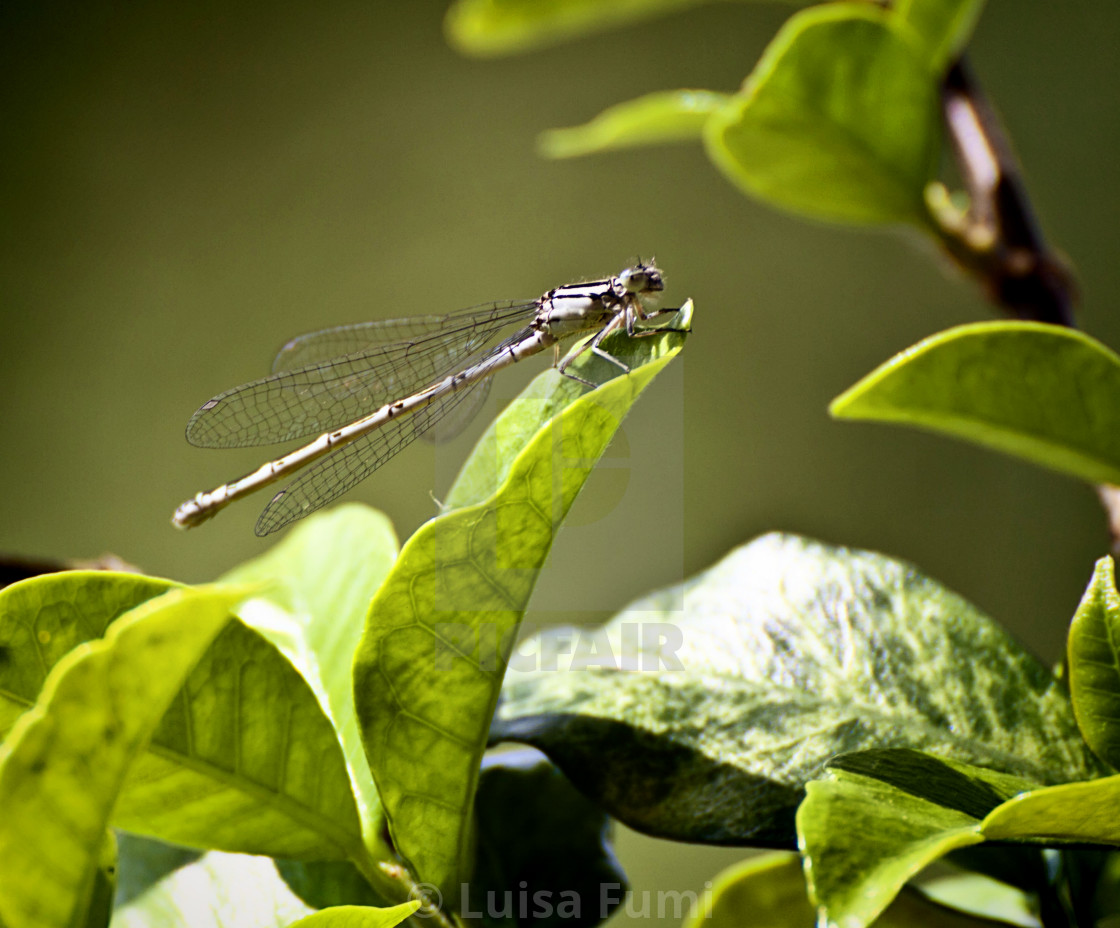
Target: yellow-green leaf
65, 761
430, 665
1087, 812
944, 26
1041, 392
1094, 663
506, 27
357, 916
668, 116
839, 120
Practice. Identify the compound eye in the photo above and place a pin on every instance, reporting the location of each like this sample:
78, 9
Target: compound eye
640, 279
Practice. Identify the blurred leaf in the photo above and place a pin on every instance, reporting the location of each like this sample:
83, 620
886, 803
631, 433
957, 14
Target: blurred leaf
1021, 866
1081, 812
143, 862
1094, 663
430, 665
64, 762
104, 886
357, 916
1107, 891
944, 26
863, 839
669, 116
46, 617
323, 576
539, 838
749, 677
506, 27
768, 891
14, 568
839, 120
217, 891
1041, 392
325, 883
764, 891
976, 895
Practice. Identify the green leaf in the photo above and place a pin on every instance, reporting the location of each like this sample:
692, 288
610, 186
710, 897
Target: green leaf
430, 665
321, 578
246, 717
1087, 812
944, 26
46, 617
506, 27
987, 899
1041, 392
245, 760
768, 891
669, 116
972, 790
544, 398
917, 797
702, 710
1094, 663
217, 891
65, 761
765, 891
358, 916
863, 839
839, 120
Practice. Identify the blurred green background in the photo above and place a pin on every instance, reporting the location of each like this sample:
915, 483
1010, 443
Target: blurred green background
186, 185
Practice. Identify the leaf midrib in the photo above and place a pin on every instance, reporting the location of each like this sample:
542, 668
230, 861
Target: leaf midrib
282, 802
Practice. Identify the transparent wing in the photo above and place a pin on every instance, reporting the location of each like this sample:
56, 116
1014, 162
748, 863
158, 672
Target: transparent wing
349, 465
328, 344
322, 395
453, 423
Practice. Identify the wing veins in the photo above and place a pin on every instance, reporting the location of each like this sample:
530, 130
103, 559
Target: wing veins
345, 468
336, 341
318, 397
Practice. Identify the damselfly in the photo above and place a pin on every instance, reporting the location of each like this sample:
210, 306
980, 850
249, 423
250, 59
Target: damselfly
367, 390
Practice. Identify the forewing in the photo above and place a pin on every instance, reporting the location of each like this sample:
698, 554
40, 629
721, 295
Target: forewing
322, 395
328, 344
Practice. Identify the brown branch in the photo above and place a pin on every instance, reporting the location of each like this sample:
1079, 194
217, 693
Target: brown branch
1001, 241
998, 239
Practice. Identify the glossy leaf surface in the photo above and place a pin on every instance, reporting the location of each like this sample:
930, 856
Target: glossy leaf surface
1042, 392
703, 710
839, 120
1094, 663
